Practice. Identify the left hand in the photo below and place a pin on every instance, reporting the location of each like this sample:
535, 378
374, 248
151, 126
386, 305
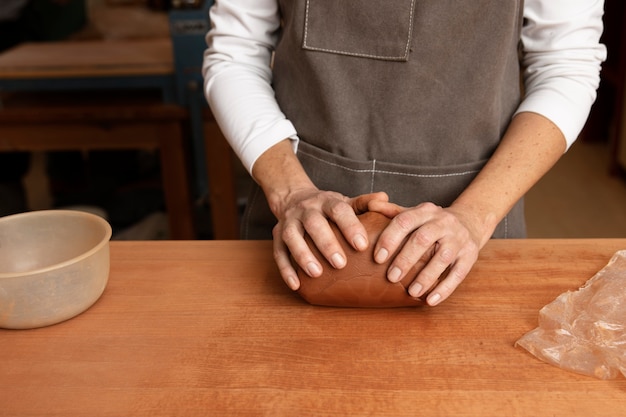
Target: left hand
453, 234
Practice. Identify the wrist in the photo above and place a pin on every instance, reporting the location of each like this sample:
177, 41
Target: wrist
281, 176
481, 221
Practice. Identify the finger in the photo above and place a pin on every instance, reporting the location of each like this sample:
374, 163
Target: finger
285, 267
323, 237
421, 248
386, 208
452, 280
344, 216
361, 203
291, 234
409, 224
443, 257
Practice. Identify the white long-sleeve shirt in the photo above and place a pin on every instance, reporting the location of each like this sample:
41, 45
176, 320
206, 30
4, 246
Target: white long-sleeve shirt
561, 63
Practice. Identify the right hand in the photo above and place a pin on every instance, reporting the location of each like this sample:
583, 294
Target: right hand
302, 208
309, 211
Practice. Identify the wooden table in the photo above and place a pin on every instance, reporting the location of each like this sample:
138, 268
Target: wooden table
207, 328
96, 64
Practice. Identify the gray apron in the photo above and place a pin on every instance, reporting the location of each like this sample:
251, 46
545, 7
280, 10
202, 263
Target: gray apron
410, 97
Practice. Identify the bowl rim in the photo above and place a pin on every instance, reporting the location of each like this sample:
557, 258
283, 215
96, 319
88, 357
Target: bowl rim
53, 212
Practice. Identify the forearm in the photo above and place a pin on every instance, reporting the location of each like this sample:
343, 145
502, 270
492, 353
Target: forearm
530, 147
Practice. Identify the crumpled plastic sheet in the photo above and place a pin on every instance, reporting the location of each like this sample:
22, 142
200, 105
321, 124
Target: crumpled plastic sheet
584, 331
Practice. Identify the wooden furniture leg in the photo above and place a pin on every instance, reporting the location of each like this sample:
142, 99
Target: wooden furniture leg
175, 178
222, 194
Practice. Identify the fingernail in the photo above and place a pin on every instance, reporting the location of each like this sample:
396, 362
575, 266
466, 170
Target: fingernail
313, 269
394, 274
360, 242
338, 261
415, 290
293, 282
381, 255
433, 299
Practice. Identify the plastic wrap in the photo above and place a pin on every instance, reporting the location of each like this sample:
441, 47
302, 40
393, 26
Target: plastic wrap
584, 331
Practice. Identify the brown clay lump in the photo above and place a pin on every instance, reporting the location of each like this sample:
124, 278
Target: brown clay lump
362, 282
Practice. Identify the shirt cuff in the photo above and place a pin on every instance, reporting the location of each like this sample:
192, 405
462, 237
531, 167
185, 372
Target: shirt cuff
569, 116
264, 140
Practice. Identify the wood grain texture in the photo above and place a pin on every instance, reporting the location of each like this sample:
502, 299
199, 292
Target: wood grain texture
203, 328
88, 59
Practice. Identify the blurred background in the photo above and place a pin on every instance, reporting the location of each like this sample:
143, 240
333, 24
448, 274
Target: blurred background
93, 64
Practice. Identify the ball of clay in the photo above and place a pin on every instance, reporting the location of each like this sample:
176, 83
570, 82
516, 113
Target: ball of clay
362, 282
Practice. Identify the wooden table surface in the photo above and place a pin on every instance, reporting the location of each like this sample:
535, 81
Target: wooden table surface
97, 58
207, 328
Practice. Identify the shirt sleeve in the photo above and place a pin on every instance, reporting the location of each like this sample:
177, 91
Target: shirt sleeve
561, 60
237, 76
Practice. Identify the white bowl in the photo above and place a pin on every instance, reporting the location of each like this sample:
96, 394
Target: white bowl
54, 265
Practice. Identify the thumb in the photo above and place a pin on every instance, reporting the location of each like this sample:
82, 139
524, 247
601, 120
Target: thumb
361, 203
384, 207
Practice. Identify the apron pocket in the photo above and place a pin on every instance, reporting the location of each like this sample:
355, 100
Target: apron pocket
363, 28
406, 185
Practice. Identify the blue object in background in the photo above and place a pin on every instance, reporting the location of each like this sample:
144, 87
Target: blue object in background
188, 28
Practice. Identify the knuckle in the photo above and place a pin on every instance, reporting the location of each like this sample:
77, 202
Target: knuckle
473, 248
327, 248
277, 232
298, 207
446, 255
404, 222
338, 209
457, 275
452, 278
281, 257
289, 233
428, 275
277, 255
402, 260
421, 238
312, 220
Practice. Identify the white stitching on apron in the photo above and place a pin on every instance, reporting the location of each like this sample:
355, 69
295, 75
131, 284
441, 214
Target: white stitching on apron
506, 226
374, 171
373, 175
335, 51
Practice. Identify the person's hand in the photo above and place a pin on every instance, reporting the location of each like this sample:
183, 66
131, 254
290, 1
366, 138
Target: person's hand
451, 233
309, 211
